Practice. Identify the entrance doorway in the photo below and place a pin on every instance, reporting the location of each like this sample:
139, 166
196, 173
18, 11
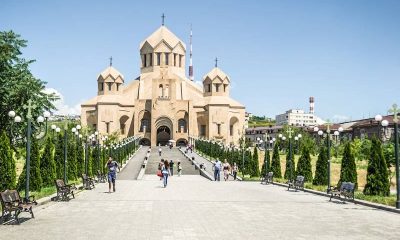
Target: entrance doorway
163, 135
144, 142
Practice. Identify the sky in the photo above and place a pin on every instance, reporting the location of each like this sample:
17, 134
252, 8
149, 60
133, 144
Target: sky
344, 53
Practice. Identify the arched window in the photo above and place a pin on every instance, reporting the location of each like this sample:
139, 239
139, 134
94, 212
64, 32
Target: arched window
160, 91
144, 125
182, 125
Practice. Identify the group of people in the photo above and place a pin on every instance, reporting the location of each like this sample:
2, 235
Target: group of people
226, 167
166, 169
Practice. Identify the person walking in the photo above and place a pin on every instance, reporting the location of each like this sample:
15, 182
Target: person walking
179, 169
159, 151
112, 166
165, 171
226, 168
159, 169
171, 167
217, 170
234, 171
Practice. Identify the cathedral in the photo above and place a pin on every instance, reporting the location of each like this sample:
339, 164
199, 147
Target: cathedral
163, 105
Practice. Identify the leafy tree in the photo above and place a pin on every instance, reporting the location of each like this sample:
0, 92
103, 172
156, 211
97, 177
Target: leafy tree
17, 84
35, 180
304, 165
47, 164
255, 168
348, 171
377, 172
321, 171
7, 164
276, 162
365, 149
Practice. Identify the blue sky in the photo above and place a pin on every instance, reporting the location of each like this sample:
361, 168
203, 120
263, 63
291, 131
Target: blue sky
278, 53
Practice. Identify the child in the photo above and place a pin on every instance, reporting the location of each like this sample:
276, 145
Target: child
179, 169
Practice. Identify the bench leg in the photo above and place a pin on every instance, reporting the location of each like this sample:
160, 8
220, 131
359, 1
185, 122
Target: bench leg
17, 212
30, 210
73, 196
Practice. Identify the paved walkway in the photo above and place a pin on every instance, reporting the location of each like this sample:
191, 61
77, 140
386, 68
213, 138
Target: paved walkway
192, 207
132, 169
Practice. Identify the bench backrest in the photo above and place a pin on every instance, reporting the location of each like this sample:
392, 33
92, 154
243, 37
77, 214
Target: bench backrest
347, 186
59, 183
9, 196
299, 179
270, 174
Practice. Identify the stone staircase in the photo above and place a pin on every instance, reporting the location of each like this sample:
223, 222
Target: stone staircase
170, 154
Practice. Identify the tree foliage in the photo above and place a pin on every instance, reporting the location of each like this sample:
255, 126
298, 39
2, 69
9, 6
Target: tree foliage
348, 171
266, 164
47, 164
35, 179
290, 165
59, 156
304, 165
321, 170
7, 164
276, 162
377, 172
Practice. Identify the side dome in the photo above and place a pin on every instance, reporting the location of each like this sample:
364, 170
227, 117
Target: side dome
216, 83
109, 81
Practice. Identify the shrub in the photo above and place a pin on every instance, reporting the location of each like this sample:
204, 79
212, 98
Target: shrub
348, 171
304, 165
35, 180
47, 164
321, 170
276, 162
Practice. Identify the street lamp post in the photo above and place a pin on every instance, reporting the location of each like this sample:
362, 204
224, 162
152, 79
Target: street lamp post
290, 132
395, 111
30, 106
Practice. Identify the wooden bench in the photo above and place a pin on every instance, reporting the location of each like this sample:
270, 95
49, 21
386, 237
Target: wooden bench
297, 184
101, 178
88, 182
346, 190
11, 203
267, 178
64, 190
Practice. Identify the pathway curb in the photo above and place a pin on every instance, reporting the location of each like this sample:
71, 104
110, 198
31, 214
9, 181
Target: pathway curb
201, 171
356, 201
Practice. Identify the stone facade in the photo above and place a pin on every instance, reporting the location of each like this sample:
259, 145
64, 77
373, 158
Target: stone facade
162, 104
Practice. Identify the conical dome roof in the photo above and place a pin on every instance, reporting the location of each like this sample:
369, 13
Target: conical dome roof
162, 33
216, 72
110, 72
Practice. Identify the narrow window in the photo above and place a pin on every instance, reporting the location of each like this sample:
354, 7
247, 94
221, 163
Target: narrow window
144, 60
202, 130
175, 59
219, 128
158, 59
107, 127
166, 58
231, 130
225, 87
118, 86
109, 86
209, 88
101, 87
122, 127
150, 59
217, 87
180, 60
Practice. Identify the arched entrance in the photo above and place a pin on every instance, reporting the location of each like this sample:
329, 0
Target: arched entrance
164, 130
145, 142
181, 142
163, 135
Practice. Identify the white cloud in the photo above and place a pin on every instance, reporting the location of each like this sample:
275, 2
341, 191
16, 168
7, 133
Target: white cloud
61, 106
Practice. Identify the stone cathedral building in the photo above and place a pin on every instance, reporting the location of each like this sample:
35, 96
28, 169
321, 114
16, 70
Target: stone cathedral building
162, 104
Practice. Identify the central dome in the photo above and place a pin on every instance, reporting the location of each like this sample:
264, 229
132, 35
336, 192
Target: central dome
163, 34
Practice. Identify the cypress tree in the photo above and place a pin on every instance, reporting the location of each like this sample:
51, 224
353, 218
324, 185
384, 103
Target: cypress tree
255, 167
59, 157
377, 173
290, 166
71, 160
321, 170
47, 164
304, 165
93, 161
348, 171
276, 162
266, 164
80, 159
35, 180
7, 164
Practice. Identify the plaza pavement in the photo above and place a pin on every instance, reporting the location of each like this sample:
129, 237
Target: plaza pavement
192, 207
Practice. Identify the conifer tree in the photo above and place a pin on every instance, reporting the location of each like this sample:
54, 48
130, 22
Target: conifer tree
35, 180
47, 164
276, 162
321, 170
377, 173
7, 164
71, 159
266, 164
59, 156
80, 159
304, 165
255, 167
290, 166
348, 171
